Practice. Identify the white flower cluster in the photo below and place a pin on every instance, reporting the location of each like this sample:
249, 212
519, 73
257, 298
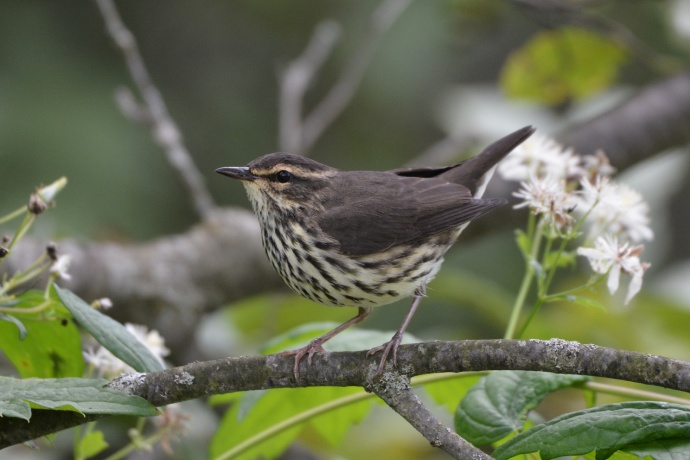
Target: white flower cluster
559, 186
109, 366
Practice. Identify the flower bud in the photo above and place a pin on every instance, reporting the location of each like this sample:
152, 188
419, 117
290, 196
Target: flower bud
36, 204
49, 192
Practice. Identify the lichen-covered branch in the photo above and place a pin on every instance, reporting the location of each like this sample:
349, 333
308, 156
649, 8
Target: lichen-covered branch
199, 379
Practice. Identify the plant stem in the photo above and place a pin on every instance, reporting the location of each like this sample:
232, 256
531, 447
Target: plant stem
13, 215
23, 228
526, 281
633, 393
291, 422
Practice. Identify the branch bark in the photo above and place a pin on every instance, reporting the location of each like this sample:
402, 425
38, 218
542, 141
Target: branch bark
199, 379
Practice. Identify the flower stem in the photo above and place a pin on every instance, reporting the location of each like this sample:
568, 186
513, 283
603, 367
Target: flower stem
13, 215
536, 231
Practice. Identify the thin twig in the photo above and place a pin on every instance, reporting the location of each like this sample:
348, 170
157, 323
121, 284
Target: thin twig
299, 135
340, 95
295, 80
155, 113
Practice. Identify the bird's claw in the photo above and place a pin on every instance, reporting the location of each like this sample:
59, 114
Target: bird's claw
315, 346
386, 348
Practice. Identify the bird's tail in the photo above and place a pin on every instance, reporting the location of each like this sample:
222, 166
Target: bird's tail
476, 172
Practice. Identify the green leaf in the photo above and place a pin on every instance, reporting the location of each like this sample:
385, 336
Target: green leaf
641, 426
449, 392
498, 404
111, 334
11, 407
561, 65
91, 444
51, 346
584, 301
86, 396
258, 411
350, 340
664, 449
20, 327
563, 259
524, 243
234, 430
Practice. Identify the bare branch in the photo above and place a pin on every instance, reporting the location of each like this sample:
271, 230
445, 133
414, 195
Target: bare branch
655, 119
200, 379
163, 128
394, 389
299, 136
295, 80
340, 95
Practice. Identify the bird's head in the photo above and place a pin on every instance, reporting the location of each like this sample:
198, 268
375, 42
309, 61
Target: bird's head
283, 180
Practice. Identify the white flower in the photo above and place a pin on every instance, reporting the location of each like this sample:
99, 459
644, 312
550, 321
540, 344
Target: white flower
106, 363
151, 340
597, 165
540, 156
104, 302
59, 268
110, 366
547, 196
615, 208
608, 256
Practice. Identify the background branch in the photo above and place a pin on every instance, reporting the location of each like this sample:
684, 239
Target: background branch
155, 113
299, 136
653, 120
170, 280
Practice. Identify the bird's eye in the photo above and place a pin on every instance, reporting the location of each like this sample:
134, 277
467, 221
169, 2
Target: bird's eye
283, 176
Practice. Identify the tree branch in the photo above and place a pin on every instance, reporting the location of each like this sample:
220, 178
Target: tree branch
394, 389
155, 113
171, 280
295, 81
199, 379
653, 120
299, 136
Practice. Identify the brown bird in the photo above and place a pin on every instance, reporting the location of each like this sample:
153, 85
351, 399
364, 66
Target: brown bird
364, 238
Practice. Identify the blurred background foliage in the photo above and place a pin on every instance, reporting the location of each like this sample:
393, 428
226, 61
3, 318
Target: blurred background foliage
446, 67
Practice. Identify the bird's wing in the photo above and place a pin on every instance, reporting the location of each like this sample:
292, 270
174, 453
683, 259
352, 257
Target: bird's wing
379, 217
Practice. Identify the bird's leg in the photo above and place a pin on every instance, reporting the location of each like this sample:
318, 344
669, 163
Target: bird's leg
316, 344
394, 343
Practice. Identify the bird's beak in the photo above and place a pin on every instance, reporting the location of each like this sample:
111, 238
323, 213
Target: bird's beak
241, 173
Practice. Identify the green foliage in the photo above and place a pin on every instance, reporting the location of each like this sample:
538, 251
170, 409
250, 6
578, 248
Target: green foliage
265, 423
353, 339
561, 65
86, 396
497, 405
51, 346
90, 445
111, 334
660, 430
449, 392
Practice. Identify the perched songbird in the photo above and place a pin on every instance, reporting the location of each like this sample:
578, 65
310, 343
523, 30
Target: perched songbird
364, 238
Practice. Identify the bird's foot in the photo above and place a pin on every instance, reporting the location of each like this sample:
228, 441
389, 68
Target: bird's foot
386, 348
315, 346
